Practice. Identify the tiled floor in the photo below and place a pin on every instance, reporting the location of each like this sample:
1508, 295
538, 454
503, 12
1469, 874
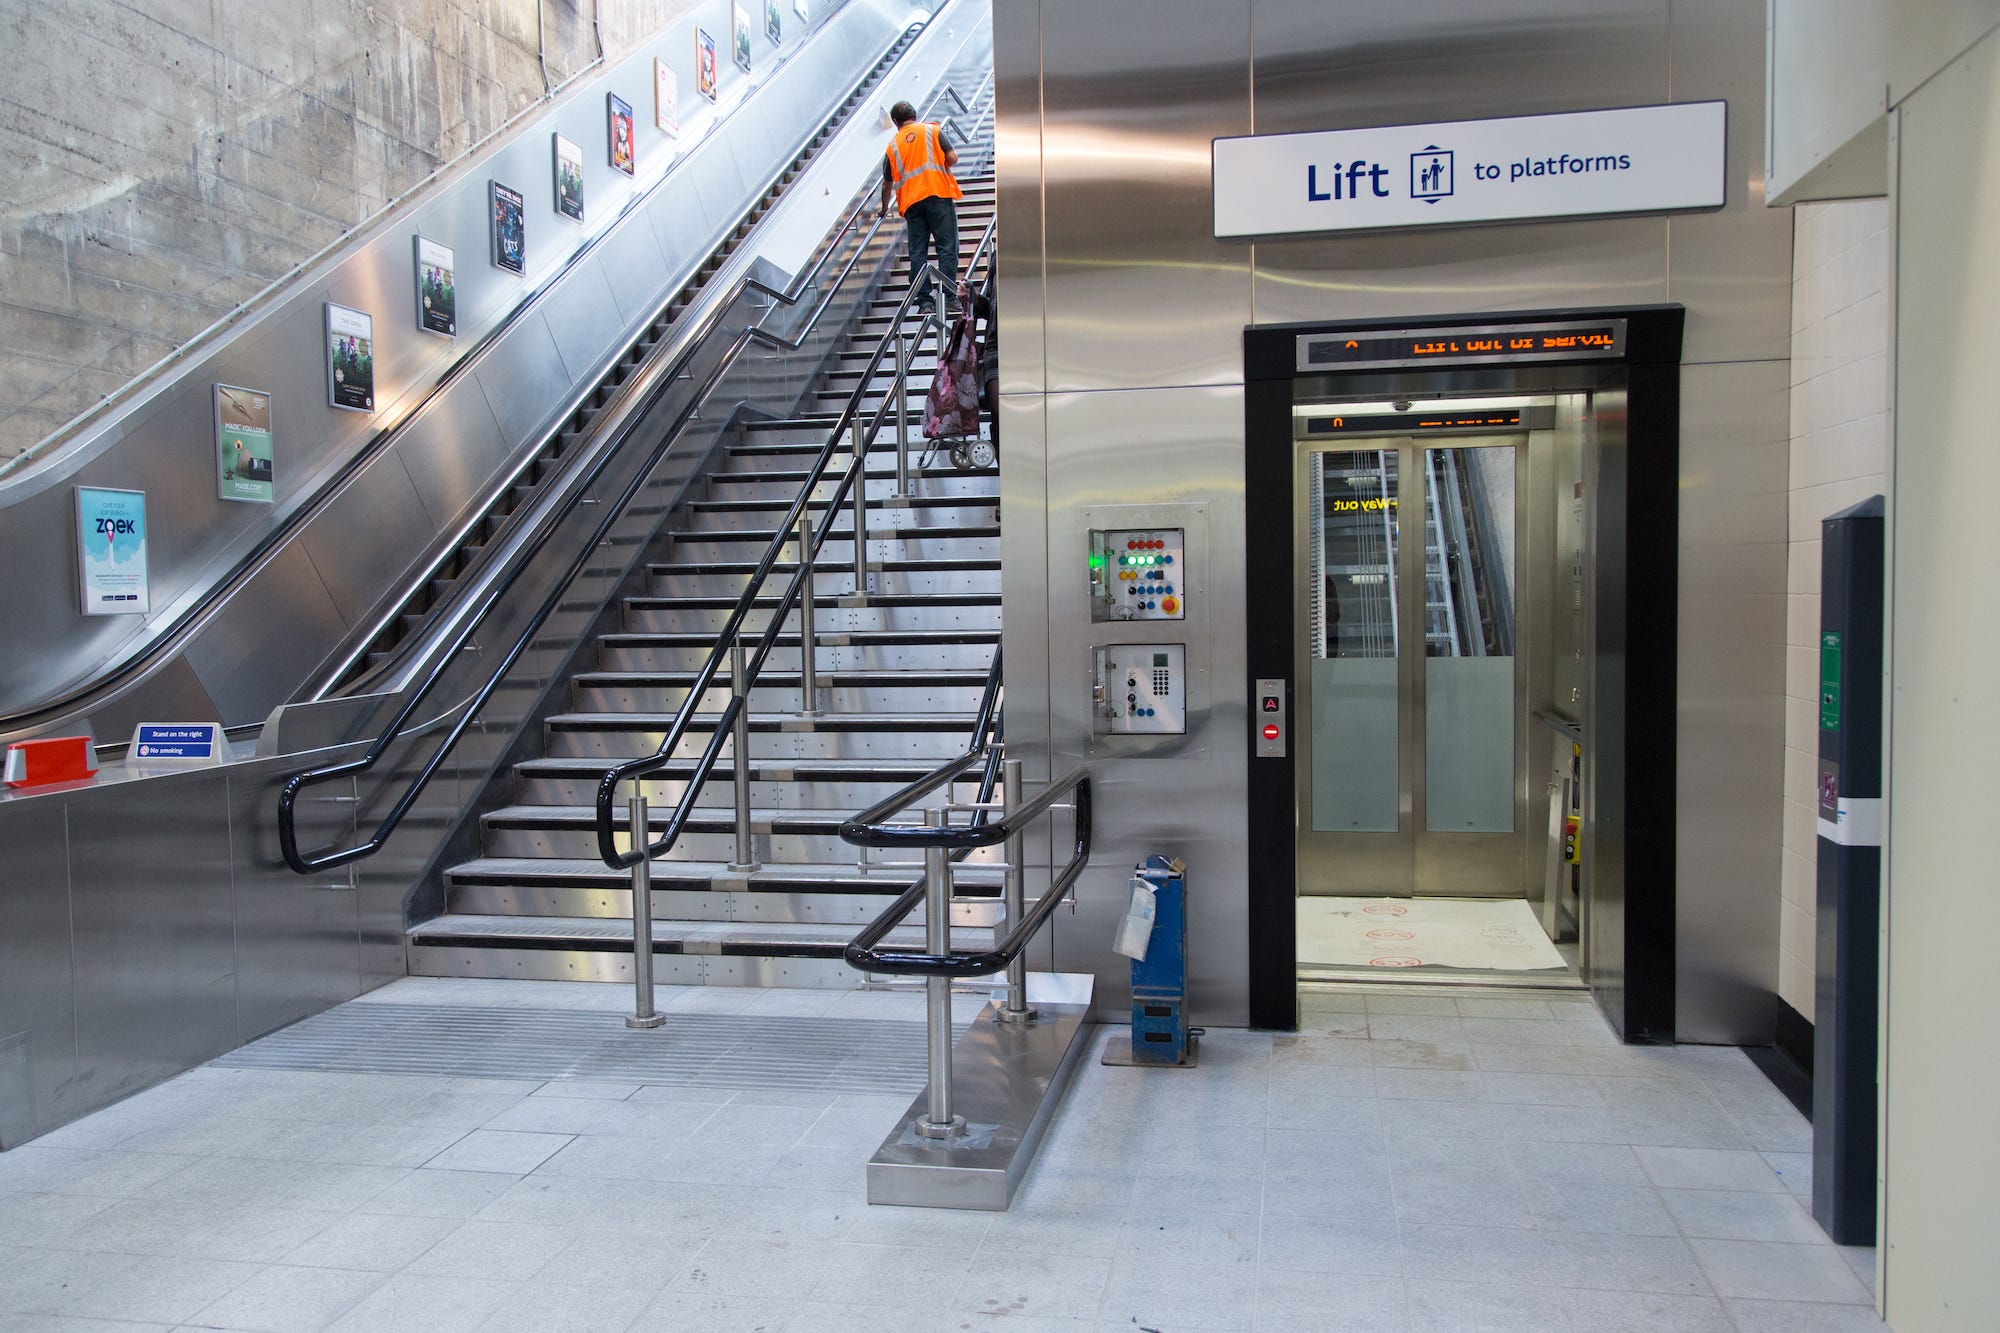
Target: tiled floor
1407, 1162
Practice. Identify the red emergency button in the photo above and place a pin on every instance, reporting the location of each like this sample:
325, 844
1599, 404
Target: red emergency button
1169, 605
1270, 731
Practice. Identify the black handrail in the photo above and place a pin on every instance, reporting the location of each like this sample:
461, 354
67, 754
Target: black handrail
865, 952
545, 531
726, 637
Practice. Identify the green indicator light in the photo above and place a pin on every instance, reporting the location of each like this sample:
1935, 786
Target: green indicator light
1097, 562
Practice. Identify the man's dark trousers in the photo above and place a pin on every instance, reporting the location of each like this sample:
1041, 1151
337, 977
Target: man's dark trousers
929, 220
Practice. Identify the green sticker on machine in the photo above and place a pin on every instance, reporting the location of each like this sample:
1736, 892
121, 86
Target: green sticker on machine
1829, 682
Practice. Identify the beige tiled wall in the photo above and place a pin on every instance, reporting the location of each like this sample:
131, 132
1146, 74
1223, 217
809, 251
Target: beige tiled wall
1840, 423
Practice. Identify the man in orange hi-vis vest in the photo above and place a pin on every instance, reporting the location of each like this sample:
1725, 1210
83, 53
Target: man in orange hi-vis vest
917, 181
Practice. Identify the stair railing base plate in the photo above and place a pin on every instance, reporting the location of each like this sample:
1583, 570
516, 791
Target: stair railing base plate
1007, 1081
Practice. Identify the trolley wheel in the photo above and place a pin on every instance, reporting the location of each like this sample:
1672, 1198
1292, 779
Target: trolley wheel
961, 456
981, 453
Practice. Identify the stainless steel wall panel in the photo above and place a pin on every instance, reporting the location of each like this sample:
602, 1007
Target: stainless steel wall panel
286, 612
583, 320
296, 942
523, 380
637, 270
449, 455
1154, 448
366, 539
1734, 449
1139, 293
1024, 564
1395, 62
1732, 269
37, 1004
1017, 165
155, 951
718, 182
172, 691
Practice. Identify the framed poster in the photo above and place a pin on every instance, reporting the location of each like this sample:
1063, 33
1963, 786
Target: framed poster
350, 358
111, 552
704, 64
620, 112
510, 228
437, 289
803, 8
739, 27
569, 178
242, 444
666, 94
774, 26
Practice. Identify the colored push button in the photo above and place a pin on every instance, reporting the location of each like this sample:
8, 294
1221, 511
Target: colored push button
1271, 732
1169, 605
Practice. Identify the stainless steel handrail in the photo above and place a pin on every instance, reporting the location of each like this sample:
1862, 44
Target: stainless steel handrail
853, 479
494, 596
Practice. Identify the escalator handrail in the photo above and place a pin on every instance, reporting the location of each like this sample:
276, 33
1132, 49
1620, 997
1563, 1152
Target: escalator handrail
607, 787
223, 588
689, 344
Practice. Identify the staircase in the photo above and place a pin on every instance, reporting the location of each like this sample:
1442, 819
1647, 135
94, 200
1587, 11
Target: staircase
900, 674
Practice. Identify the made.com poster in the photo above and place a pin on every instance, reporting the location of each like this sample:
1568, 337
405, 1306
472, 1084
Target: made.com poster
111, 550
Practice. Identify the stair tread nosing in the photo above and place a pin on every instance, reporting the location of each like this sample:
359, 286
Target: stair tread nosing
959, 722
615, 935
770, 877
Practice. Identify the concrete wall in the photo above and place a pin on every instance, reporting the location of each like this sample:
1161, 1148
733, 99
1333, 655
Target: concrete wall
169, 158
1840, 442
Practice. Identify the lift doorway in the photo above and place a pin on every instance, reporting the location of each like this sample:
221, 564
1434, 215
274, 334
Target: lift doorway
1461, 562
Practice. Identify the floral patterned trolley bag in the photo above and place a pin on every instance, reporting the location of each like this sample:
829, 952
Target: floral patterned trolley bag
951, 412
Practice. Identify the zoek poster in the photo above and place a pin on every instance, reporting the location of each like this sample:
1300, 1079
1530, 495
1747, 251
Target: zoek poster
242, 444
774, 25
437, 289
704, 64
739, 26
569, 178
350, 358
623, 151
510, 227
111, 552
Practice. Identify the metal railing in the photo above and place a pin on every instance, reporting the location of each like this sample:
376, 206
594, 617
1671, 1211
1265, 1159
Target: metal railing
734, 718
940, 963
691, 344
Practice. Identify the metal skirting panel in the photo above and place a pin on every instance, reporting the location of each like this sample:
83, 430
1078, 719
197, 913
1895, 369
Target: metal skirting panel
1007, 1081
733, 1051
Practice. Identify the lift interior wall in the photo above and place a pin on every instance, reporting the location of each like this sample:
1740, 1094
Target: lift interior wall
1122, 382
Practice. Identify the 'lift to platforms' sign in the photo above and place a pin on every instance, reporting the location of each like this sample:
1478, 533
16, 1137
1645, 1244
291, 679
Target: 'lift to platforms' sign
1639, 159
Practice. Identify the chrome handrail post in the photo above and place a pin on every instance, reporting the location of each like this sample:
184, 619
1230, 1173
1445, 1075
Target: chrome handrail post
642, 1015
860, 506
808, 651
739, 683
902, 390
940, 1123
944, 328
1016, 1009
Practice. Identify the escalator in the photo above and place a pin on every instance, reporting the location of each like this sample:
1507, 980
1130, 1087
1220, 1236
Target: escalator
318, 604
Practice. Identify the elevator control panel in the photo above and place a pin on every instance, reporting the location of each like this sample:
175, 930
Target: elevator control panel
1138, 574
1140, 689
1269, 719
